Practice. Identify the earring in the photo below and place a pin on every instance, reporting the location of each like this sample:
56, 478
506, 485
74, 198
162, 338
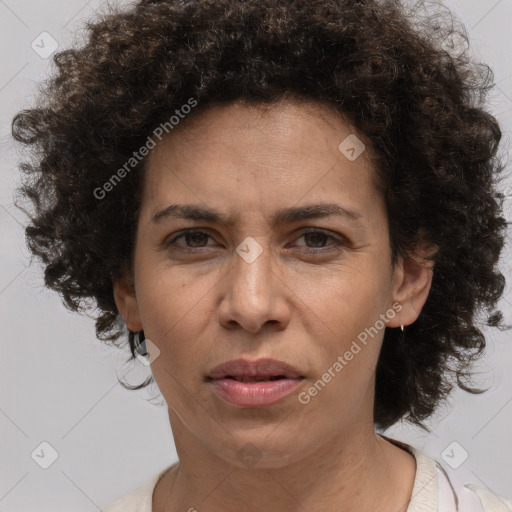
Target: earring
401, 337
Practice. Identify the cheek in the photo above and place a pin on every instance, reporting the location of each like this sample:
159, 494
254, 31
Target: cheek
172, 310
348, 301
345, 379
170, 295
350, 308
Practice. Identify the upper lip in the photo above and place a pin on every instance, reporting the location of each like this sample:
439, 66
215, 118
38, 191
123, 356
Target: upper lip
260, 368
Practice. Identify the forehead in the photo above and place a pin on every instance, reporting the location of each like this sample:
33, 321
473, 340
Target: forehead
260, 157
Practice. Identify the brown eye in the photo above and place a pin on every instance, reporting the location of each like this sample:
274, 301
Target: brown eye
318, 239
194, 239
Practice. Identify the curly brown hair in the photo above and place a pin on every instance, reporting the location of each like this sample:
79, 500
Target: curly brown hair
380, 64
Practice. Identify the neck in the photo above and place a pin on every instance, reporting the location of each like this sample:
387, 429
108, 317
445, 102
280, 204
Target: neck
359, 471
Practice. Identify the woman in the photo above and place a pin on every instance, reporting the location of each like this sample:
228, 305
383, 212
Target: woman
292, 208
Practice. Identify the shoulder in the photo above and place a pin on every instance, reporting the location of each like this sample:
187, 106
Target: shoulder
139, 499
456, 493
491, 502
441, 489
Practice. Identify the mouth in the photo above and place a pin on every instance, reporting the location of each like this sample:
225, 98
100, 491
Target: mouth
256, 379
257, 383
245, 370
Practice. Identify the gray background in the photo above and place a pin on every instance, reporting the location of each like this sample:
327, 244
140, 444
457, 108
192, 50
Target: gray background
58, 383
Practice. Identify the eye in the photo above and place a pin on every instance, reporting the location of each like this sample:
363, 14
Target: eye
318, 239
196, 239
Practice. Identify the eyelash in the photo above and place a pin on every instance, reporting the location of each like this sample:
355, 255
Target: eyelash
181, 234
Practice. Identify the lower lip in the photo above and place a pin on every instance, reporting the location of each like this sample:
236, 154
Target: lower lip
254, 394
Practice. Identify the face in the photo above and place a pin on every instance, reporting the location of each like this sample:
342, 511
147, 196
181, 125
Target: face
313, 290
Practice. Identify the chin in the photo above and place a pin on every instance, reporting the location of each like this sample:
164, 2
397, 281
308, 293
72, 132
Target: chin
267, 449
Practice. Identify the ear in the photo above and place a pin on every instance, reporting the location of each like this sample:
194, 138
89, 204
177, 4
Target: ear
412, 282
126, 302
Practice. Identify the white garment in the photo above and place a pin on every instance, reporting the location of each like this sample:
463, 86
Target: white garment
435, 489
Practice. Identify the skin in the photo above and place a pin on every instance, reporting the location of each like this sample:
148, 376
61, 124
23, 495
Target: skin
201, 309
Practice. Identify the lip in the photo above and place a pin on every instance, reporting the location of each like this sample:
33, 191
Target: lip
260, 368
247, 383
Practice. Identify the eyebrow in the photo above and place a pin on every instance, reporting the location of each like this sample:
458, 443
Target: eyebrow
282, 216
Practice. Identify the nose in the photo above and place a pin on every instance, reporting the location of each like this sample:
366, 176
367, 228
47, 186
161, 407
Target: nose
254, 295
